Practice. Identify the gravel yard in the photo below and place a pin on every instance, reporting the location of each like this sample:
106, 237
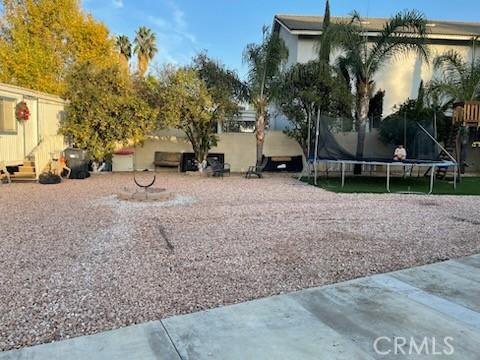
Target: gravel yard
74, 260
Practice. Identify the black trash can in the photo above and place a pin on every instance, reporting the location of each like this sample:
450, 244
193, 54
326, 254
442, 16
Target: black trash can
77, 160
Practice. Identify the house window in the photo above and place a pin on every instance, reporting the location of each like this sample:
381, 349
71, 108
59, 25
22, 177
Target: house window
8, 123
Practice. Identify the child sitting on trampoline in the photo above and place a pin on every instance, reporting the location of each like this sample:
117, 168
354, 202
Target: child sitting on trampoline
400, 153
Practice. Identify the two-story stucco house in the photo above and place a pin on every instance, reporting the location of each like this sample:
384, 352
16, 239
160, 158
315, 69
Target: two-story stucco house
401, 78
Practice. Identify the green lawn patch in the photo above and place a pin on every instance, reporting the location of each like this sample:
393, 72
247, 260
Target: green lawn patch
363, 184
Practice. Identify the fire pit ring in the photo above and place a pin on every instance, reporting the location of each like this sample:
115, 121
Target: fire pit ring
148, 194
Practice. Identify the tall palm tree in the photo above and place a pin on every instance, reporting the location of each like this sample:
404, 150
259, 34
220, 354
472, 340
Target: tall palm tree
458, 79
124, 48
264, 62
363, 57
145, 46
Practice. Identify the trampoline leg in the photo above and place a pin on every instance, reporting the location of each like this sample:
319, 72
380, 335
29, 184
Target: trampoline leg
388, 177
455, 177
343, 174
300, 177
432, 179
305, 170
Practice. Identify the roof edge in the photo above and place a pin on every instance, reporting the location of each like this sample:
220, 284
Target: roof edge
29, 92
448, 36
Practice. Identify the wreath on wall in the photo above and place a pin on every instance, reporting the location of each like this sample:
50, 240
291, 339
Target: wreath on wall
22, 112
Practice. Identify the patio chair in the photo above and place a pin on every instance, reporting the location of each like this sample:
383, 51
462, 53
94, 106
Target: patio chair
257, 170
216, 168
4, 174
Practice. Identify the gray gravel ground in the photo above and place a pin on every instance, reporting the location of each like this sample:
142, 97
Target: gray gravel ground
75, 261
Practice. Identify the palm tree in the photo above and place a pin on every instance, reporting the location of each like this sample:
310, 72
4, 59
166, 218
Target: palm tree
363, 58
145, 47
264, 67
458, 80
124, 48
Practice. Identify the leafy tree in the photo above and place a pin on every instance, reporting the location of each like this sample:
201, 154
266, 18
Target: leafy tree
148, 88
457, 80
306, 89
364, 57
375, 108
103, 111
186, 104
145, 46
124, 48
40, 40
264, 67
224, 86
403, 122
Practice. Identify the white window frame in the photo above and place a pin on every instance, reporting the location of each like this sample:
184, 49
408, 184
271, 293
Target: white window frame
10, 132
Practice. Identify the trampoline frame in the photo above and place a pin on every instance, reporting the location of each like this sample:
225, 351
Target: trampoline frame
433, 165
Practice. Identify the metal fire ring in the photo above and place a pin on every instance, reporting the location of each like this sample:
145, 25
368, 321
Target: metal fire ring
145, 187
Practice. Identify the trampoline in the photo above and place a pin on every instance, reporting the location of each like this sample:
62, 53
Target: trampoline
432, 164
426, 154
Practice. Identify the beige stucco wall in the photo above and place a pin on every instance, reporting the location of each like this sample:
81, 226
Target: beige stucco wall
240, 148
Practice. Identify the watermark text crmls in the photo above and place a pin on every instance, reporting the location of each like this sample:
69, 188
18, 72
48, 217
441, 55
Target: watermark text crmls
399, 345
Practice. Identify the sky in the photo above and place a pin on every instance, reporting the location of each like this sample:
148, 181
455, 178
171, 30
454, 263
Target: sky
223, 27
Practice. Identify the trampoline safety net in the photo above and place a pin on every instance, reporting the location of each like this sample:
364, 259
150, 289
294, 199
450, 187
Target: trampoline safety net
331, 145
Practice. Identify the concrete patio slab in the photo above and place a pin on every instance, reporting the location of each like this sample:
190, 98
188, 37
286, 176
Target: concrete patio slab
444, 283
273, 328
426, 311
139, 342
365, 310
463, 270
471, 260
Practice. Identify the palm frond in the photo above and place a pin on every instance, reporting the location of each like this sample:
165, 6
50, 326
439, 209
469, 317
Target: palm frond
123, 46
456, 79
145, 43
402, 34
451, 64
264, 62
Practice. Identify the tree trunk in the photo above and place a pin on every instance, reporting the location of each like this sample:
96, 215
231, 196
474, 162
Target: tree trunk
260, 135
261, 115
142, 65
124, 64
200, 157
363, 103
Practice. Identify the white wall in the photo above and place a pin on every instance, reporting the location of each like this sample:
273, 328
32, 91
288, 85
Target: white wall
401, 77
292, 43
307, 49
